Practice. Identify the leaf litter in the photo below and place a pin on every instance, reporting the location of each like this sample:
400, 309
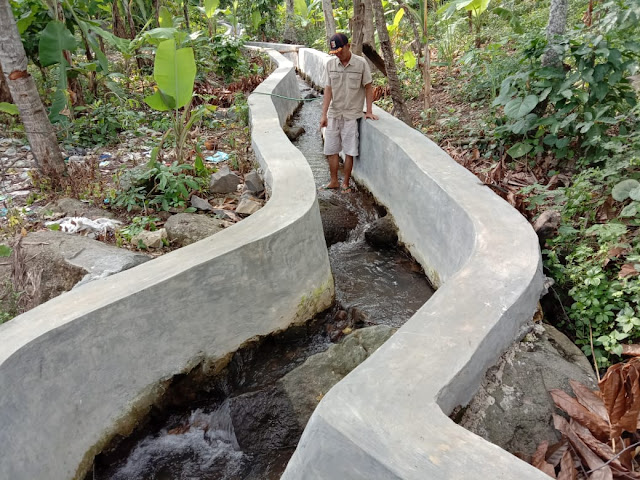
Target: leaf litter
600, 436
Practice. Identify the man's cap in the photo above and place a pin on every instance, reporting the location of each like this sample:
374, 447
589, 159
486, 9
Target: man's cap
337, 41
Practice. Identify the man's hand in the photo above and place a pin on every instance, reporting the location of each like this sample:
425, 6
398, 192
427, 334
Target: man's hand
370, 115
324, 121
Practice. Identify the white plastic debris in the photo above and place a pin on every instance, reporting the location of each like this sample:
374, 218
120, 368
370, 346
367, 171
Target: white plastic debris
85, 225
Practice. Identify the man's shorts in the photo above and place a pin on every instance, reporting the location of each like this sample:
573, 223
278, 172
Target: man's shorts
342, 135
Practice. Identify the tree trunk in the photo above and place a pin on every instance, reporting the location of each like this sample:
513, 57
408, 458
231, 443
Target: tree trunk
390, 64
185, 9
156, 11
5, 94
119, 28
289, 35
357, 26
555, 28
329, 21
426, 72
40, 134
369, 28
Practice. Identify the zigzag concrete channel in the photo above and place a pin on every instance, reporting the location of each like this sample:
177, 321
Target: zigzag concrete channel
86, 365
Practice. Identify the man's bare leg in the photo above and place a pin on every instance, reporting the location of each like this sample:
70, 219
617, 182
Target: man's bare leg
333, 171
348, 166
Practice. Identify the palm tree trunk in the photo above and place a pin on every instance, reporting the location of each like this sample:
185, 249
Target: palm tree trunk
329, 21
40, 134
556, 27
289, 35
5, 94
390, 64
357, 26
426, 75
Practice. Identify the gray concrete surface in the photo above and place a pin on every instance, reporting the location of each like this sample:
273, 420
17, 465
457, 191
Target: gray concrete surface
388, 418
86, 365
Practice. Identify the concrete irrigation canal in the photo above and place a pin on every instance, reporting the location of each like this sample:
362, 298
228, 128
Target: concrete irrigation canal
88, 366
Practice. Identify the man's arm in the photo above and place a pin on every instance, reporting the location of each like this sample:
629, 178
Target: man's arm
325, 106
368, 90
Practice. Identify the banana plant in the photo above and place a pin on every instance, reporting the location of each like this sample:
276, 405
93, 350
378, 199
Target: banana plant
54, 40
174, 71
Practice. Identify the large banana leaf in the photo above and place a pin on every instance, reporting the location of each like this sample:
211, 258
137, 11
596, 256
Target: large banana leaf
54, 39
174, 71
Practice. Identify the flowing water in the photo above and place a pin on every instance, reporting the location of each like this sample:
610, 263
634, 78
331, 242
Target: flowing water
213, 431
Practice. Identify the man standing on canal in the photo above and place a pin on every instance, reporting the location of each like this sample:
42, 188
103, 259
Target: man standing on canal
347, 85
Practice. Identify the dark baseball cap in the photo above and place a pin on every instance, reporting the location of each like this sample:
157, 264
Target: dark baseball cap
337, 41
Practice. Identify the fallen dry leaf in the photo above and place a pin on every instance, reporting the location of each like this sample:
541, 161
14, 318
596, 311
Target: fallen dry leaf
538, 460
590, 458
567, 467
628, 270
590, 399
631, 350
597, 425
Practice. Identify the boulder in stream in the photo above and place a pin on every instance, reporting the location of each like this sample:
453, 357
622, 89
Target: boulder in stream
306, 385
337, 220
382, 233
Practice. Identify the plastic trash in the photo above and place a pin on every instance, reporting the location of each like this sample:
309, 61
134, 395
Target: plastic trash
104, 163
104, 156
217, 157
3, 212
84, 225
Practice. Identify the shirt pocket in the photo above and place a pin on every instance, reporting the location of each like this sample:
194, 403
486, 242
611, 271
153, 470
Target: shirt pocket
353, 81
334, 79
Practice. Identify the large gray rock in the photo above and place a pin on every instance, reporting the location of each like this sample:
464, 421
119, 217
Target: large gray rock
306, 385
382, 233
201, 203
224, 181
187, 228
248, 206
61, 261
71, 207
253, 182
337, 220
147, 239
513, 407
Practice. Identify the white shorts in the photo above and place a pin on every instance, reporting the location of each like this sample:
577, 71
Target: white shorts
341, 135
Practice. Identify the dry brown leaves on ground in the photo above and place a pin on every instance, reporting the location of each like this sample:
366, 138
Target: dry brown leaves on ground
600, 439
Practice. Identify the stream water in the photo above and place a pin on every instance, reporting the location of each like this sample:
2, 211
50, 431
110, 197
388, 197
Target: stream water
240, 424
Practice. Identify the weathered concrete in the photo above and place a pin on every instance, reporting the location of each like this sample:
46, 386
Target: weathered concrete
85, 365
388, 418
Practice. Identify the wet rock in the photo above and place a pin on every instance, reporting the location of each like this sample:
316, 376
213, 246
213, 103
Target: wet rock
224, 181
253, 182
293, 132
382, 233
200, 203
546, 225
71, 207
264, 421
61, 261
186, 228
248, 206
307, 384
337, 221
513, 407
149, 239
